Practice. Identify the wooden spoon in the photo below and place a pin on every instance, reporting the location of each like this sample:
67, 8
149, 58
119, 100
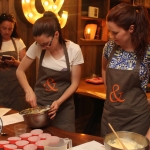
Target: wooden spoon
124, 147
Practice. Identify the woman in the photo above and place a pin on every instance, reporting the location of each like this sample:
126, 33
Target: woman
11, 93
125, 70
59, 71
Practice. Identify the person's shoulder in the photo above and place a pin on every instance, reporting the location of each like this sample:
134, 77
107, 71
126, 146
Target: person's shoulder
18, 40
72, 46
110, 44
33, 46
71, 43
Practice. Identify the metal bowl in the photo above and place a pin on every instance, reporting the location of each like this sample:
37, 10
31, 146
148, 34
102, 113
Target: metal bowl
131, 136
36, 117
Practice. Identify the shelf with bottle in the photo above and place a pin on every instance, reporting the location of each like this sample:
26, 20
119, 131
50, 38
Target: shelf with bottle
98, 32
90, 18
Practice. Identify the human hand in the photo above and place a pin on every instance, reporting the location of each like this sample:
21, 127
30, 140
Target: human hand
53, 109
11, 61
31, 98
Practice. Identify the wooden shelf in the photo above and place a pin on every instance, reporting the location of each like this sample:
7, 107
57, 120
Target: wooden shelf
89, 18
91, 42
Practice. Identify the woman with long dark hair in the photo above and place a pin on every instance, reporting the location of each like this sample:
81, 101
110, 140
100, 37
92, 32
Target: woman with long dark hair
12, 50
125, 70
59, 71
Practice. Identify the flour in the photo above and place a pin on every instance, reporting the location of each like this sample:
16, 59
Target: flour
128, 143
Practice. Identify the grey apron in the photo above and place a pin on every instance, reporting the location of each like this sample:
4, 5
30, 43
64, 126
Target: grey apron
11, 93
126, 107
50, 85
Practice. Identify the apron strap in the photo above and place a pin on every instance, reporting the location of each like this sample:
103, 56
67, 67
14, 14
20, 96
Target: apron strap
41, 57
15, 48
66, 56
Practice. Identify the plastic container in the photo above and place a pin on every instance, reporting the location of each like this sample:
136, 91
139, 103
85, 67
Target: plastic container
13, 140
44, 136
25, 136
41, 143
36, 132
21, 143
2, 143
30, 147
10, 146
33, 139
54, 140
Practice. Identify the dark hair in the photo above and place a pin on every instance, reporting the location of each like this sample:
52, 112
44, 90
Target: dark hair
125, 15
10, 18
48, 25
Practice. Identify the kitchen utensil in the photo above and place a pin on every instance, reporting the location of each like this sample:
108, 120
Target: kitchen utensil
64, 144
130, 136
124, 147
36, 117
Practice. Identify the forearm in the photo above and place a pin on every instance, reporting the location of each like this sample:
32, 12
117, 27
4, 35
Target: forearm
23, 81
20, 73
75, 80
148, 134
16, 63
71, 89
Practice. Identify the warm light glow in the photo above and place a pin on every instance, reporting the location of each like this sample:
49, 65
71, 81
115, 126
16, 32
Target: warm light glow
88, 30
32, 14
46, 3
55, 7
63, 19
27, 1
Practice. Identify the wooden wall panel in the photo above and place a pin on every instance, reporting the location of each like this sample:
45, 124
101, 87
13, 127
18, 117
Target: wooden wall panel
92, 60
70, 30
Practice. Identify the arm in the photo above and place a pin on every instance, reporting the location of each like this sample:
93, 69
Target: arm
75, 80
25, 63
104, 64
148, 134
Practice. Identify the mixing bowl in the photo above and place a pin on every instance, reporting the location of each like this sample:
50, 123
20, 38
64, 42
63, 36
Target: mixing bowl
36, 117
135, 138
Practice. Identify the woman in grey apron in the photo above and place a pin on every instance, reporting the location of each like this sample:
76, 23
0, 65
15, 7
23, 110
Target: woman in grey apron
125, 70
11, 92
58, 73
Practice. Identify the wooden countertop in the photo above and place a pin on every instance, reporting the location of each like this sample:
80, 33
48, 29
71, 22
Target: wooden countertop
77, 138
96, 91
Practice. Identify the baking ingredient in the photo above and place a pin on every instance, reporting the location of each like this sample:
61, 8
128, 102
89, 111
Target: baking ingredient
127, 142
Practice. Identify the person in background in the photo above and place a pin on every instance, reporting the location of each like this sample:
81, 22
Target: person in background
125, 70
11, 45
58, 74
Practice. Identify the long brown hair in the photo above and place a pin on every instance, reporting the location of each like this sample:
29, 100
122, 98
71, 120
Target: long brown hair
125, 15
10, 18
